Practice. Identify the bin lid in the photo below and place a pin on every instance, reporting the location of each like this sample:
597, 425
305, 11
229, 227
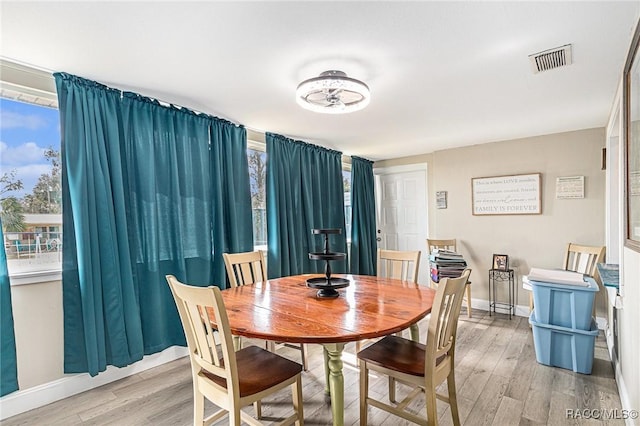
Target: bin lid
590, 285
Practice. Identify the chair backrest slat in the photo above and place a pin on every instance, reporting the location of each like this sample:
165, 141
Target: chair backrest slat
584, 259
401, 265
194, 306
245, 268
449, 244
444, 319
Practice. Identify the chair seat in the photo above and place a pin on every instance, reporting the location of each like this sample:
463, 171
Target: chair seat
398, 354
260, 369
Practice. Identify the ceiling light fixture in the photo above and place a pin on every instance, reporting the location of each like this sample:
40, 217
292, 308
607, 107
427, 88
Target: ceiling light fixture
333, 93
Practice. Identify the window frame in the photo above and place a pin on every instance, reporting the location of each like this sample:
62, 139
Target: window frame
630, 145
261, 147
27, 84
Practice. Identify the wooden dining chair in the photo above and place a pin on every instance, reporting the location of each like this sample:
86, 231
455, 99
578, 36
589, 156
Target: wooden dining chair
583, 259
229, 379
422, 366
449, 244
250, 268
400, 265
245, 268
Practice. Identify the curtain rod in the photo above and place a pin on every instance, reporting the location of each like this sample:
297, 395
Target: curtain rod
254, 134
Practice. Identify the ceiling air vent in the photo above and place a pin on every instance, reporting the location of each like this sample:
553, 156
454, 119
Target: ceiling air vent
550, 59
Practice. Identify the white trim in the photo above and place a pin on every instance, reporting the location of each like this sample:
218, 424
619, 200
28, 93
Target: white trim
624, 395
38, 396
483, 305
35, 277
401, 169
523, 311
256, 145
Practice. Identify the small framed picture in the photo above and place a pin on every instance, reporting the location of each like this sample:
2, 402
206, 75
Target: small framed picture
441, 199
500, 262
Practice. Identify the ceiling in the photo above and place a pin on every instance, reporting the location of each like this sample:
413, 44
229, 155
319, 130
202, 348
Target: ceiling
441, 74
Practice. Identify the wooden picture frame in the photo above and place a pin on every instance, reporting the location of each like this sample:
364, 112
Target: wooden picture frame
631, 145
511, 194
500, 262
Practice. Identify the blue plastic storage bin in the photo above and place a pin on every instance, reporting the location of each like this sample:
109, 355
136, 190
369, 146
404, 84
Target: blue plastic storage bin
564, 347
564, 305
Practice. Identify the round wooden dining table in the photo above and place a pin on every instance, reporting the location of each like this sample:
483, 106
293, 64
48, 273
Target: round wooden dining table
286, 310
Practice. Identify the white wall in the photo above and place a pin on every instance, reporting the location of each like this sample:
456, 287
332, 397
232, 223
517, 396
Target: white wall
529, 240
37, 317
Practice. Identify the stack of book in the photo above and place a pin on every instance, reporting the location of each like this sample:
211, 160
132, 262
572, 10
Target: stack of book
446, 264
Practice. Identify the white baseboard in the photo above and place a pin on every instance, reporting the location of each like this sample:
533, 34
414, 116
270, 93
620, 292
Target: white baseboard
483, 305
624, 395
523, 311
38, 396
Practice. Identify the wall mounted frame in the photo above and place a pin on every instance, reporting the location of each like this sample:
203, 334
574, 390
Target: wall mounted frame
512, 194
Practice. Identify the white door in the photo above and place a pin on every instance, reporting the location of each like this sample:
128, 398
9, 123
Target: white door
401, 205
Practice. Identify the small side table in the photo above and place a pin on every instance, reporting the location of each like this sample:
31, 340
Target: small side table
501, 276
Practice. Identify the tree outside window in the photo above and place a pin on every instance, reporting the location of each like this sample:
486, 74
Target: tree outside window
258, 181
30, 186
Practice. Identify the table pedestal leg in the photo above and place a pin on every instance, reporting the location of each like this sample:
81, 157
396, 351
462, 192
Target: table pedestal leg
335, 380
237, 343
415, 332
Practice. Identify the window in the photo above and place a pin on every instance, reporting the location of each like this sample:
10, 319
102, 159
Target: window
257, 158
30, 186
346, 181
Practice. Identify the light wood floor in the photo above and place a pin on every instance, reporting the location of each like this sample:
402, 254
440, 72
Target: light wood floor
499, 383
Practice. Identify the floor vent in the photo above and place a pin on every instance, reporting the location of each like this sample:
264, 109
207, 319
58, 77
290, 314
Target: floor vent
550, 59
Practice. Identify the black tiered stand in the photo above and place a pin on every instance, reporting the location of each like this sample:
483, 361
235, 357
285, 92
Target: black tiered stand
327, 285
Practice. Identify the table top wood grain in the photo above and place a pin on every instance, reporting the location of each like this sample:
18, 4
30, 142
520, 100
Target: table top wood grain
285, 309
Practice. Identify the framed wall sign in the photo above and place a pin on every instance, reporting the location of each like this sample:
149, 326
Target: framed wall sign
631, 119
513, 194
570, 187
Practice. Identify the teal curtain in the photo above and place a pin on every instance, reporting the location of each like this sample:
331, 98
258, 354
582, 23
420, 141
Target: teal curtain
167, 152
142, 198
100, 298
8, 365
304, 191
363, 222
231, 193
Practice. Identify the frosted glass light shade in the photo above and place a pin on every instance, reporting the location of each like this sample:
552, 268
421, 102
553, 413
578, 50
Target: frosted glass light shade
333, 93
